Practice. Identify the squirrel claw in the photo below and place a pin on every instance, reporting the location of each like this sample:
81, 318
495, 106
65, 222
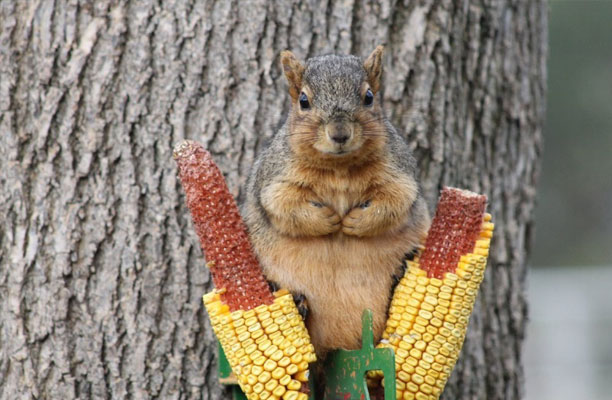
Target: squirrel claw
365, 204
302, 305
360, 222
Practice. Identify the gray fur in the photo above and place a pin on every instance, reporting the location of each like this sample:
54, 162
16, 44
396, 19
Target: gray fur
335, 85
335, 82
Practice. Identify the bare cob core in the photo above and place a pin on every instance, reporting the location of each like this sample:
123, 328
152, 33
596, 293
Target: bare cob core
233, 264
453, 232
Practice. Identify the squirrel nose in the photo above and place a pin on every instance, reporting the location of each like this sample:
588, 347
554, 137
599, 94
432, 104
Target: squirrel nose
340, 137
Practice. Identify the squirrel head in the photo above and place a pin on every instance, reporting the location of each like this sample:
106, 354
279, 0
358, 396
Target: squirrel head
335, 112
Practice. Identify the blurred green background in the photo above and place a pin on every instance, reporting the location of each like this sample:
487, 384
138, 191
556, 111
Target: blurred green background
568, 348
574, 212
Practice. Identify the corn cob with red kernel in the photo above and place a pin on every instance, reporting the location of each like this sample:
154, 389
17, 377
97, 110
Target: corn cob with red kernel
431, 305
262, 334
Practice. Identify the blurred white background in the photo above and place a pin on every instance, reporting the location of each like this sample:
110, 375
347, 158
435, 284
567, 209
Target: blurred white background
568, 351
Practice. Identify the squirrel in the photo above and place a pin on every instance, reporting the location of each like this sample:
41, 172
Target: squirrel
333, 204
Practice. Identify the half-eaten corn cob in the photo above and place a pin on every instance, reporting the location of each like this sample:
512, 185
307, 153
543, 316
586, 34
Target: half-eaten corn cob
262, 334
431, 305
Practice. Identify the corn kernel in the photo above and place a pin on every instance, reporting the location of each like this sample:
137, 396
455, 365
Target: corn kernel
255, 354
418, 379
437, 366
444, 295
426, 388
270, 350
251, 379
427, 307
420, 345
431, 330
271, 328
431, 300
302, 376
436, 322
432, 289
402, 353
277, 355
278, 373
269, 365
433, 373
294, 385
290, 395
279, 391
412, 361
285, 380
264, 377
412, 387
407, 368
292, 369
401, 330
444, 303
411, 310
296, 358
425, 314
430, 380
424, 364
250, 348
416, 353
428, 358
258, 388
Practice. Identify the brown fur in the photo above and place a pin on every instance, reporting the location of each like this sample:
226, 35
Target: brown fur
340, 256
293, 71
373, 67
333, 221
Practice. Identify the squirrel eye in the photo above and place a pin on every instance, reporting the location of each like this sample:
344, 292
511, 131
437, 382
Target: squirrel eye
304, 101
369, 98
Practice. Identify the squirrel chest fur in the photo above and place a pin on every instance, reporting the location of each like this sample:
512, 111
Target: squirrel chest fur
333, 204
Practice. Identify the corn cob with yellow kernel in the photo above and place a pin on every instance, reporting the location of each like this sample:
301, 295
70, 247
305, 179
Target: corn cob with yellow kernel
262, 333
431, 305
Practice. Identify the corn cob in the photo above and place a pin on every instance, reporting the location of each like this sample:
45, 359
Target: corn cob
262, 334
222, 232
267, 347
431, 305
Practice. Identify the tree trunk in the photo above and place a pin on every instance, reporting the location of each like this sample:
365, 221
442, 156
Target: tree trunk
101, 273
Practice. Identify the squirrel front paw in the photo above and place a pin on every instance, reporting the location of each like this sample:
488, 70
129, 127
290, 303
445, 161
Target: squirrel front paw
364, 220
320, 220
311, 219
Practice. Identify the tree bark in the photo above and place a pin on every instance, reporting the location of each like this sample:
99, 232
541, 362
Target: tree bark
101, 274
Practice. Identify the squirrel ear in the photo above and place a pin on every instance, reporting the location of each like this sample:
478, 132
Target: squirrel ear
373, 67
293, 71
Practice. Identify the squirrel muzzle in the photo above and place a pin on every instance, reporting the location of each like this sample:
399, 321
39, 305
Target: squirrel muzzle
340, 136
339, 132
